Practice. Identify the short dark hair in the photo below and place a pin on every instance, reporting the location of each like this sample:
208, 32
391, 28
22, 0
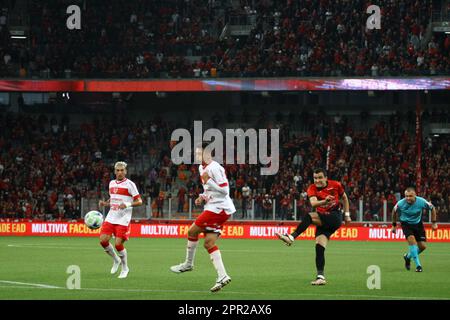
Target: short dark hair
319, 170
409, 189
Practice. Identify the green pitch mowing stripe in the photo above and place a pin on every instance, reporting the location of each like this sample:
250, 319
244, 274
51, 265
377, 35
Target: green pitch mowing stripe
35, 268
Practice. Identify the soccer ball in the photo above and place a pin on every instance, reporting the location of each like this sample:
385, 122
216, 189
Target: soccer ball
93, 219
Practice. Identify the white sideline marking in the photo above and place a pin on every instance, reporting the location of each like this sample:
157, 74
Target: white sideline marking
37, 285
230, 292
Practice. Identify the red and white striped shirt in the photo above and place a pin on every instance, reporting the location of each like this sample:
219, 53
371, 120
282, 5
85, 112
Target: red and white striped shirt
120, 192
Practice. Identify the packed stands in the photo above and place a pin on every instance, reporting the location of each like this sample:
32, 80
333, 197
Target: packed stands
47, 165
185, 39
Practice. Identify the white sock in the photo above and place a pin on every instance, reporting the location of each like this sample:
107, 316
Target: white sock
190, 252
216, 259
110, 251
123, 258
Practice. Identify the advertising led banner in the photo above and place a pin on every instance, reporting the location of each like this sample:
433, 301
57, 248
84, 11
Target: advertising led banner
229, 84
230, 231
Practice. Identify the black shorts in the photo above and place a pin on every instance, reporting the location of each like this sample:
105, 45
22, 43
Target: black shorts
330, 223
416, 230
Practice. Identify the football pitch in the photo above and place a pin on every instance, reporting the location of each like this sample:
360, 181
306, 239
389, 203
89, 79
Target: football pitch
36, 268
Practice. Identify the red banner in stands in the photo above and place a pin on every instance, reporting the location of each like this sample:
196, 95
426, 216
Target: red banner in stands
236, 231
218, 84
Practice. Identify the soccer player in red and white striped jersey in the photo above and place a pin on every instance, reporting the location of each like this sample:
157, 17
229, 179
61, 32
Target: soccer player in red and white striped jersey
218, 209
123, 197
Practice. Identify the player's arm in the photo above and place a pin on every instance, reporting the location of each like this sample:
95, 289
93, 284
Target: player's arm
346, 203
434, 225
202, 197
102, 203
137, 201
429, 206
221, 187
319, 203
394, 219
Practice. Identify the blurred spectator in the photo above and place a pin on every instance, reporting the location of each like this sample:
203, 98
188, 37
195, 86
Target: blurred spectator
267, 207
160, 205
181, 199
285, 207
245, 200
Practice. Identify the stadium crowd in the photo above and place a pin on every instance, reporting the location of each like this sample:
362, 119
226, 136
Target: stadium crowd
177, 38
48, 165
328, 38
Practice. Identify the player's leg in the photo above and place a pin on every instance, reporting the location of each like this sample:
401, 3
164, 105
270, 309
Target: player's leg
193, 234
123, 255
310, 218
407, 232
104, 241
216, 258
192, 243
421, 237
329, 224
411, 236
422, 246
414, 252
105, 236
321, 244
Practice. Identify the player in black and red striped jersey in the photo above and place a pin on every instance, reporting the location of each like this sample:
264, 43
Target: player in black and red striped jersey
325, 196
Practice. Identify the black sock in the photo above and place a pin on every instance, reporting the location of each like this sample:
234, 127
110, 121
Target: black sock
302, 226
320, 259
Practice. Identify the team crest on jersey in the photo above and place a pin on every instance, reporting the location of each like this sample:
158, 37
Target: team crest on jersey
115, 190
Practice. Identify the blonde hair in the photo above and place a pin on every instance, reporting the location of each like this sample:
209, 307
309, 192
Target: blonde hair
120, 164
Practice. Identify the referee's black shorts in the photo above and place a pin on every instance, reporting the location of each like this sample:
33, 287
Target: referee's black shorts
330, 223
417, 230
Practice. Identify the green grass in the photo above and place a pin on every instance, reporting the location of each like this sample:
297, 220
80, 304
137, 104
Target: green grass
260, 269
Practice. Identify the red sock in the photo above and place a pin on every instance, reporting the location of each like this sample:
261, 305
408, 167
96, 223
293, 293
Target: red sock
211, 250
119, 247
104, 244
